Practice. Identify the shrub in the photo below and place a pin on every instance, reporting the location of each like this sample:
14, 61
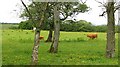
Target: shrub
25, 25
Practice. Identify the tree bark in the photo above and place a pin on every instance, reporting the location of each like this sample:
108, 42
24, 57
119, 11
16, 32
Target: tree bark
54, 45
36, 39
35, 48
49, 39
110, 47
118, 34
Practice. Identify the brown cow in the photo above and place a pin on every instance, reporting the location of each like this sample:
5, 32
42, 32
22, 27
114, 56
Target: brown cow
92, 36
41, 37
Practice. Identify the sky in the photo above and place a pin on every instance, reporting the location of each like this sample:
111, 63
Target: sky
8, 13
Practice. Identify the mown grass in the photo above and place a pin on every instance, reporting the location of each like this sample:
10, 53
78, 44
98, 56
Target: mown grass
74, 49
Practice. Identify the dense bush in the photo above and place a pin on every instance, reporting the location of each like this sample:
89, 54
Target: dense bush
28, 25
100, 28
25, 25
80, 26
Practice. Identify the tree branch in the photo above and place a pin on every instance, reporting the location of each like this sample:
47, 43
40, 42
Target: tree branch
65, 17
103, 14
83, 2
27, 11
104, 5
116, 8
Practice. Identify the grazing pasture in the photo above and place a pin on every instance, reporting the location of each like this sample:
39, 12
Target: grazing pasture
75, 48
8, 26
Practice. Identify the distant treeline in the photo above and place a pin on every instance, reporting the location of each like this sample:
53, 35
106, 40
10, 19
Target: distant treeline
69, 25
10, 23
9, 26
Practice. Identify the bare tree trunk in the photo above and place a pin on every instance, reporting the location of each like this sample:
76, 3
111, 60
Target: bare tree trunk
110, 47
36, 39
49, 39
54, 45
35, 48
118, 36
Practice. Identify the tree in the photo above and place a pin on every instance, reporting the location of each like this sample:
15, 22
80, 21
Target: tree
66, 10
54, 46
110, 10
110, 47
37, 35
25, 25
38, 25
51, 25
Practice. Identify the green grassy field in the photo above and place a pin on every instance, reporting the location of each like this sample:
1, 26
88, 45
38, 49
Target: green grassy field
74, 49
7, 26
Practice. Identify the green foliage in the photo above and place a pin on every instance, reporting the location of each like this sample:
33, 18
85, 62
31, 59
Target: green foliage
25, 25
28, 25
77, 50
82, 8
101, 28
69, 25
81, 25
66, 9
